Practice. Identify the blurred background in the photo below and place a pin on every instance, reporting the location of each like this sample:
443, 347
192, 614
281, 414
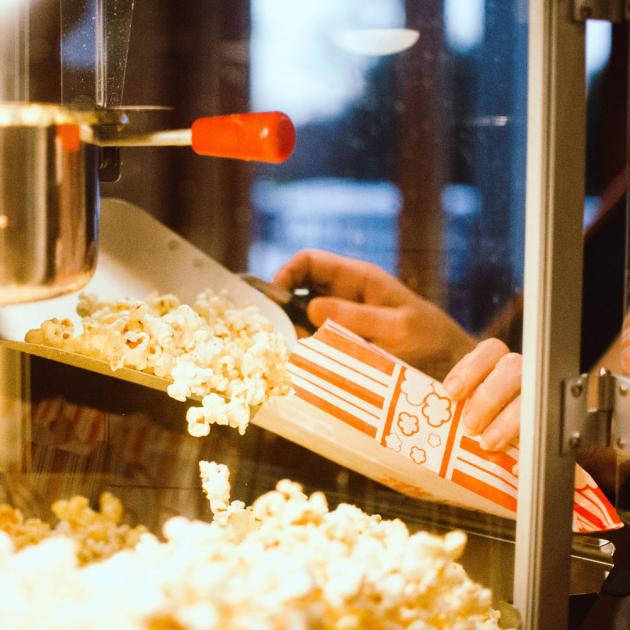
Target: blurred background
410, 154
411, 137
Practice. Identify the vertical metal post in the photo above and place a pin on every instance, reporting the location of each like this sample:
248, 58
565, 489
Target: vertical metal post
14, 389
553, 284
14, 51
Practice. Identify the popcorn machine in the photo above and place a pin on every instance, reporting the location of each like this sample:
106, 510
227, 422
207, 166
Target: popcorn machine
410, 121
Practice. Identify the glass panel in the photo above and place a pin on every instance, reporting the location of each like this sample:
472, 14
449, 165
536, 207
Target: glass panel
605, 303
94, 41
624, 474
413, 160
605, 223
411, 132
14, 72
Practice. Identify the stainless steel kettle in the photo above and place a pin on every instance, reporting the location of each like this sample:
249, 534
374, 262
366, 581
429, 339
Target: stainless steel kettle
49, 202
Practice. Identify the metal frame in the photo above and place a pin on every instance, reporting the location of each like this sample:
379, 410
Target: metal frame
14, 394
553, 278
611, 10
555, 174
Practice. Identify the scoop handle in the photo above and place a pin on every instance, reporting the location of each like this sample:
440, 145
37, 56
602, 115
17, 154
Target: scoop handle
261, 136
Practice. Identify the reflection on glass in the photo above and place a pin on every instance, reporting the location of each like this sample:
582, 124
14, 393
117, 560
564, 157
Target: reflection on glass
413, 160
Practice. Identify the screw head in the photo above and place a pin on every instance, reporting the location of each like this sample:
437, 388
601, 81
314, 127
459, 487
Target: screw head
577, 389
623, 390
621, 442
574, 439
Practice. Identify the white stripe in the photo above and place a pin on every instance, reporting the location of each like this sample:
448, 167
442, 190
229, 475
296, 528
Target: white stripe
339, 329
337, 397
593, 505
344, 359
368, 344
483, 475
391, 390
513, 452
377, 387
325, 389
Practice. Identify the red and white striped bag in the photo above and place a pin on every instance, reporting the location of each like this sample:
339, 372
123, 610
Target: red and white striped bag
366, 403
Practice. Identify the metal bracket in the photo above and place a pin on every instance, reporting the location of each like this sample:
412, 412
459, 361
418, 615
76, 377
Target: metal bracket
620, 435
609, 10
109, 164
607, 425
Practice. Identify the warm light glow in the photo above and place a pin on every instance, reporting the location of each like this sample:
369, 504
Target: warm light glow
376, 41
464, 24
297, 67
598, 45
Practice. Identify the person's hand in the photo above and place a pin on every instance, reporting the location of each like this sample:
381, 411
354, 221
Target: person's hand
489, 378
370, 302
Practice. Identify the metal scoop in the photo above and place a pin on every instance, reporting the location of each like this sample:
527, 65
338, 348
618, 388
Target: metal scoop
293, 302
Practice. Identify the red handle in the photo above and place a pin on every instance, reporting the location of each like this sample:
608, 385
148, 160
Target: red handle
264, 137
69, 136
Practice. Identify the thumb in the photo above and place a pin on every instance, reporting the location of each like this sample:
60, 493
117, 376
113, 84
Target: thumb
365, 320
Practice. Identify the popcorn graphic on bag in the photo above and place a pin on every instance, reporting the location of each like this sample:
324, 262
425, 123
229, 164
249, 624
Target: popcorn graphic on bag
408, 424
380, 402
436, 409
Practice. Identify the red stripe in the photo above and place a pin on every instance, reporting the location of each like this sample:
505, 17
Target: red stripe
603, 502
593, 506
500, 458
41, 410
339, 381
355, 349
333, 410
391, 410
588, 516
344, 332
488, 472
97, 428
331, 325
329, 394
73, 424
484, 490
450, 440
344, 366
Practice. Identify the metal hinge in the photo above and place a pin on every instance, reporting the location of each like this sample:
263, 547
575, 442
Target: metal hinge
606, 425
609, 10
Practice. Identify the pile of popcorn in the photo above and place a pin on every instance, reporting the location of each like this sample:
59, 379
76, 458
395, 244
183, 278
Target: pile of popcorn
97, 534
286, 562
226, 356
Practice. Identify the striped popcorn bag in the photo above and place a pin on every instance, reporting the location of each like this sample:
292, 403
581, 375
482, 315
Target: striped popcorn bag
373, 413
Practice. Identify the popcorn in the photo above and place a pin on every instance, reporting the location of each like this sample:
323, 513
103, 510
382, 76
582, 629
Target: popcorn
97, 534
286, 562
215, 484
22, 532
227, 357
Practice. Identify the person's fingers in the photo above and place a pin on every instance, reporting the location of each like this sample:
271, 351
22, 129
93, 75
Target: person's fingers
342, 277
504, 429
473, 368
325, 271
301, 332
498, 389
374, 323
294, 272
